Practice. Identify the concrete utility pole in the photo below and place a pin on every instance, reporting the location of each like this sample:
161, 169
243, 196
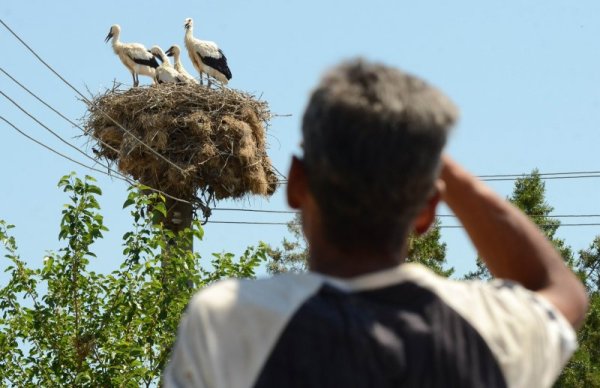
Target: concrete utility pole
179, 216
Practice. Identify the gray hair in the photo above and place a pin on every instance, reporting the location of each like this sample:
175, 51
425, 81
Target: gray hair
373, 137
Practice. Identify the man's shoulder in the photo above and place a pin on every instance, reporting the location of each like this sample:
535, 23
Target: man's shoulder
230, 327
293, 288
253, 296
527, 335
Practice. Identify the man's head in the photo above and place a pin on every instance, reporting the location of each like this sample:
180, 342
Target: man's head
372, 139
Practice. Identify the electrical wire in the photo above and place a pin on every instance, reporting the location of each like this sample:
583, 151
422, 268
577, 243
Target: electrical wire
441, 226
540, 174
55, 110
54, 133
118, 175
541, 225
152, 150
50, 148
438, 215
256, 210
543, 176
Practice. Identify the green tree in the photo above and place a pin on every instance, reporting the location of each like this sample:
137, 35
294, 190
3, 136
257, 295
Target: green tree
583, 370
66, 325
292, 256
429, 250
529, 195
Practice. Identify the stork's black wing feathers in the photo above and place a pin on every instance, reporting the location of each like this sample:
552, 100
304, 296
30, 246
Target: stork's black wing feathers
152, 62
219, 64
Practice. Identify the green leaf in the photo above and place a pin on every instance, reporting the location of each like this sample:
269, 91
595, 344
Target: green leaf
130, 201
198, 232
161, 208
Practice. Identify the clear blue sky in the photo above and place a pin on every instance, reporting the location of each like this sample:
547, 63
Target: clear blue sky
525, 75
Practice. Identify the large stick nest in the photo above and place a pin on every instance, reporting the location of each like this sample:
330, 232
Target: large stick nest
215, 137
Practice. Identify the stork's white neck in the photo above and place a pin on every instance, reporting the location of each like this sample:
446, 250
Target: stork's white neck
115, 39
164, 58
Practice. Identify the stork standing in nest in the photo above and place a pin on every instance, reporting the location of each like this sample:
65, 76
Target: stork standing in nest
136, 58
206, 56
174, 51
165, 73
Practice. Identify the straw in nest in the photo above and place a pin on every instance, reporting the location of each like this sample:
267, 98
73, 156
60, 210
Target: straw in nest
215, 137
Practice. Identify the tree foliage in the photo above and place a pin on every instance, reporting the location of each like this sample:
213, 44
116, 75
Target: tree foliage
583, 370
429, 250
529, 195
63, 324
292, 256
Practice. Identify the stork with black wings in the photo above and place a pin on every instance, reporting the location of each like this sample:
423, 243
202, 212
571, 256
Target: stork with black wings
136, 58
206, 56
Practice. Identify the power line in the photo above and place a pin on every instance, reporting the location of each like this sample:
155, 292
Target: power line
256, 210
55, 110
540, 174
246, 222
543, 176
52, 149
438, 215
51, 131
88, 101
118, 175
541, 226
561, 215
441, 226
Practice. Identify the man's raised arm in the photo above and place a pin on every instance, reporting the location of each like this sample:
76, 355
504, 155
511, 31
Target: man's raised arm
510, 244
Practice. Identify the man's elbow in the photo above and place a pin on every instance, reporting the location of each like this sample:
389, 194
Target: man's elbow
580, 302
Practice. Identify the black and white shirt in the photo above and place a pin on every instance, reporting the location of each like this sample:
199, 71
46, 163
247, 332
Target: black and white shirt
403, 327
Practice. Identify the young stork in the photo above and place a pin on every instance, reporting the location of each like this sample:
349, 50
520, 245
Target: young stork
165, 73
175, 52
136, 58
206, 56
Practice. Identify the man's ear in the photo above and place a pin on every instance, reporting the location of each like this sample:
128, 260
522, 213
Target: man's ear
426, 217
297, 184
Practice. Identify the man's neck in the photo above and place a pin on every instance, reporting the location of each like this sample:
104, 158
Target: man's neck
330, 261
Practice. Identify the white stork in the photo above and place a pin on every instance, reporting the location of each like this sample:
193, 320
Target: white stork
206, 56
136, 58
174, 51
165, 73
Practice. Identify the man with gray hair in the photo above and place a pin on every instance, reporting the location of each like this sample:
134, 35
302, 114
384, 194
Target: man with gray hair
373, 172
